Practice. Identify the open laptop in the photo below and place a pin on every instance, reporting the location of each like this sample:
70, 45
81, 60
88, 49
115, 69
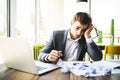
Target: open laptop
17, 54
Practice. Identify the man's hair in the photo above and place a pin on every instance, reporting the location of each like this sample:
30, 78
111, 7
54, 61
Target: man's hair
83, 18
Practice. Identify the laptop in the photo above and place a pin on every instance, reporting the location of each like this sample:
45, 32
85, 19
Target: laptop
17, 54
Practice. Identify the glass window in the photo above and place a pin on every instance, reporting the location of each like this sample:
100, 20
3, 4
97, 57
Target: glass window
3, 17
103, 11
25, 19
51, 18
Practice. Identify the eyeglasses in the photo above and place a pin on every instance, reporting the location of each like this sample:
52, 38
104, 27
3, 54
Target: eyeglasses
96, 31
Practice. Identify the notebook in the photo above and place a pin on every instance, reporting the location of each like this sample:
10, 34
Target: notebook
17, 54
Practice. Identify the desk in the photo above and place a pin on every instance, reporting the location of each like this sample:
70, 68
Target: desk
12, 74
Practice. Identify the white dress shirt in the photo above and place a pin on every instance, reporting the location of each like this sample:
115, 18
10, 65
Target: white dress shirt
71, 48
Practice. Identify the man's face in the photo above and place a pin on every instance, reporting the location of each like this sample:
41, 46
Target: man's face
77, 29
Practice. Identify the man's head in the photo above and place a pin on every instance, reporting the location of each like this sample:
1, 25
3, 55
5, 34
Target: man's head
80, 23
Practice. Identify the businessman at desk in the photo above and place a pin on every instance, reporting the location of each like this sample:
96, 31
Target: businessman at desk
72, 44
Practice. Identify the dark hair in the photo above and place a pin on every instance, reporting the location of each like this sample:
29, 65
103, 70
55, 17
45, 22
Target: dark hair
83, 18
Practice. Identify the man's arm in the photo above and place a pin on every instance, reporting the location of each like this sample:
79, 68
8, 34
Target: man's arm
46, 50
94, 51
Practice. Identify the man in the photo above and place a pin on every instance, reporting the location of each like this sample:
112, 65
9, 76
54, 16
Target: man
72, 44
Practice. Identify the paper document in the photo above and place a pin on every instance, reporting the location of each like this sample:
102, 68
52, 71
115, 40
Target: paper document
87, 69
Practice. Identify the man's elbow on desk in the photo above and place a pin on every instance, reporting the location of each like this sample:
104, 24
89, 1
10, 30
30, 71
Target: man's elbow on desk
97, 57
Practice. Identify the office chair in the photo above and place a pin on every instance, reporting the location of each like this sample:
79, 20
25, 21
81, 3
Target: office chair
112, 51
36, 49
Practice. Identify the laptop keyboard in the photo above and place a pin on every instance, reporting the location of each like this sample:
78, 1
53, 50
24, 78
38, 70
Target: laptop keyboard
40, 68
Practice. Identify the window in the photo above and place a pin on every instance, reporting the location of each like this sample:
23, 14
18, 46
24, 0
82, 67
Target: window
25, 19
51, 18
38, 22
3, 18
103, 11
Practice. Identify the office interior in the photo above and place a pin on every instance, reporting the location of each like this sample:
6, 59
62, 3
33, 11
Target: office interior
36, 19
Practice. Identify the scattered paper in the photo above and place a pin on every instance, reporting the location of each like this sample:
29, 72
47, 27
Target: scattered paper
87, 69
